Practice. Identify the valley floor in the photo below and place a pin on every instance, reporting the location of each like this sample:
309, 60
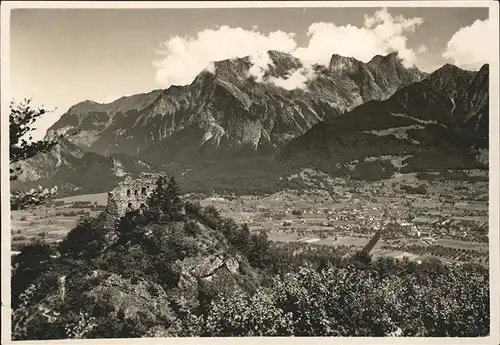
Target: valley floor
449, 221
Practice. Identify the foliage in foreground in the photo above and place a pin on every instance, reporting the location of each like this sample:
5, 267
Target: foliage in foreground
295, 289
357, 301
22, 146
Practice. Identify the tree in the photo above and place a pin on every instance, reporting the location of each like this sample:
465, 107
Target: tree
22, 146
156, 199
29, 264
260, 253
36, 196
112, 207
174, 204
361, 257
243, 237
21, 118
165, 199
85, 240
193, 208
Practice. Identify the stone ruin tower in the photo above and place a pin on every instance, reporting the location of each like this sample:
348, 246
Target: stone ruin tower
132, 193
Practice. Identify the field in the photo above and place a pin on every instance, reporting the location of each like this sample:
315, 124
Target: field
448, 222
52, 222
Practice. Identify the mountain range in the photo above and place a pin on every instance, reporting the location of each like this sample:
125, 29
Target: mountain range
74, 170
439, 123
346, 111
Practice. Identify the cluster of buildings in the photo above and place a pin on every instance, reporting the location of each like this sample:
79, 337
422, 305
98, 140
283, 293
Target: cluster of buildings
393, 219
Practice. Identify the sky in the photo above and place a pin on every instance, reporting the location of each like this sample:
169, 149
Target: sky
59, 57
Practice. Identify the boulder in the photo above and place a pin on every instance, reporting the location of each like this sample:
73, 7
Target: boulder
204, 267
232, 265
208, 266
132, 297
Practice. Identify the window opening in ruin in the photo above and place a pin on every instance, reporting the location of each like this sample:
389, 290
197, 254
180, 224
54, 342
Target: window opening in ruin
128, 192
143, 190
136, 192
129, 205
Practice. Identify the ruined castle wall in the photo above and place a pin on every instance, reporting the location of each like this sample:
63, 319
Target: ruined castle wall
132, 193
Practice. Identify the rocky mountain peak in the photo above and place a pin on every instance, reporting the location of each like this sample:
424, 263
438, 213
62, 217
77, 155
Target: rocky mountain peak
235, 66
282, 64
449, 78
339, 63
485, 69
394, 56
284, 60
448, 69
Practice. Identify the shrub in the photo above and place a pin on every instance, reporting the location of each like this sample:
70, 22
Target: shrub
421, 189
193, 208
192, 228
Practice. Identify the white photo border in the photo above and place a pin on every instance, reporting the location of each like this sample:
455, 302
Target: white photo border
494, 175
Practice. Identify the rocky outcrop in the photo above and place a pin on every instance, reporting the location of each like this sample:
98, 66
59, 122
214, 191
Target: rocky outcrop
193, 269
133, 298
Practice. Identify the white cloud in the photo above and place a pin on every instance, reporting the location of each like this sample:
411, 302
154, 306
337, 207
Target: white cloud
470, 46
297, 80
260, 62
390, 33
380, 34
184, 58
326, 39
421, 49
210, 67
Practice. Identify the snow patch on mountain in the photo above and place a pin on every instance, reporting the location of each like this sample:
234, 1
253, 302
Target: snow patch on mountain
414, 118
398, 132
396, 161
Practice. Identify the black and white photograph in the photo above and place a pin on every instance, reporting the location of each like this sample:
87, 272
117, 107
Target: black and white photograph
255, 169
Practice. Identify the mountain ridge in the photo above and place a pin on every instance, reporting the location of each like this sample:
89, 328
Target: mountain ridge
74, 170
216, 103
227, 116
438, 123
